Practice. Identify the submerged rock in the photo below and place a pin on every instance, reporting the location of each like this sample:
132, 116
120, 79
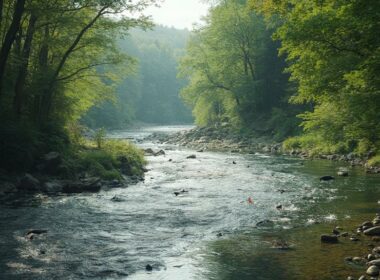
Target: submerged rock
280, 244
265, 223
191, 157
326, 178
325, 238
36, 231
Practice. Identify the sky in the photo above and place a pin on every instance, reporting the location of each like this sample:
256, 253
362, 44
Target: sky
178, 13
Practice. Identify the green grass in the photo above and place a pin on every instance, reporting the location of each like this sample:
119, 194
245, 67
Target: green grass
314, 145
105, 162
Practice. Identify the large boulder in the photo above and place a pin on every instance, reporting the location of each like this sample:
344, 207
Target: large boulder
29, 183
372, 231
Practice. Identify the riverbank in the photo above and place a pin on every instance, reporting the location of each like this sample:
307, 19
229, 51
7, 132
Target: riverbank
226, 140
88, 167
368, 233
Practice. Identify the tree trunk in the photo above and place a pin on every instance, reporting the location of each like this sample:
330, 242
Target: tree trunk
1, 12
23, 70
47, 97
9, 39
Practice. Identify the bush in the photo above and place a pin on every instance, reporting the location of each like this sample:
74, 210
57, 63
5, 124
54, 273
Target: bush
374, 161
100, 137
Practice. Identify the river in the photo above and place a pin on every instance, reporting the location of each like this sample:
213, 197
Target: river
208, 232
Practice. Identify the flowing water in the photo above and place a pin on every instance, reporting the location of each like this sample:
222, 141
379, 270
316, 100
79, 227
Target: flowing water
208, 232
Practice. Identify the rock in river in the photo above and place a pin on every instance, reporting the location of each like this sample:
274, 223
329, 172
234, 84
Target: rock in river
375, 262
326, 178
343, 173
192, 156
325, 238
372, 231
159, 153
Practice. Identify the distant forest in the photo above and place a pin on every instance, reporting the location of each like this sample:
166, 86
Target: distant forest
150, 94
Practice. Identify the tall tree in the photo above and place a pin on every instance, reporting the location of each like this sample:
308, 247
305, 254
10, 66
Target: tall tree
10, 37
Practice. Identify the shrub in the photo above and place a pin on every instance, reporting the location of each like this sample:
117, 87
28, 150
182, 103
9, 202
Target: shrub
374, 161
100, 137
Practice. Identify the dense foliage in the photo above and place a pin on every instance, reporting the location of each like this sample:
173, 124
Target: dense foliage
330, 52
151, 95
333, 50
54, 65
235, 73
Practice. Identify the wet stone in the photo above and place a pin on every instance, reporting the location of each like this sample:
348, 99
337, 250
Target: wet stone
325, 238
373, 270
148, 267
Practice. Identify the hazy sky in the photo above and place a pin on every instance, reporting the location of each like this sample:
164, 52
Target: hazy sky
178, 13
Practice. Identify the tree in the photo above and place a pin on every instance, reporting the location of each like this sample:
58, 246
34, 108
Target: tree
333, 53
235, 74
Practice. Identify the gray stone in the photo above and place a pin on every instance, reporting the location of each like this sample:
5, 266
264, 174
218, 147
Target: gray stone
374, 262
367, 224
372, 231
160, 153
373, 270
371, 257
342, 173
376, 250
149, 151
358, 260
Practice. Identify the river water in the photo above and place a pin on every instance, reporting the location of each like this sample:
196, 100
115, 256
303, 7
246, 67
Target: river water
208, 232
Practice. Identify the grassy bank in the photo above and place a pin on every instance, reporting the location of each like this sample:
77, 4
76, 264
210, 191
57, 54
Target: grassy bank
24, 148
